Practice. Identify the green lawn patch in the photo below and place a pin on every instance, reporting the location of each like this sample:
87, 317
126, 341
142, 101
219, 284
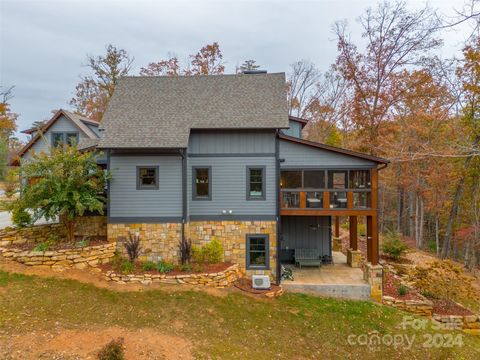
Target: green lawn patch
230, 327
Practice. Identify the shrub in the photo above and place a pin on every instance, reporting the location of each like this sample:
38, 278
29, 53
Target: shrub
82, 243
186, 267
213, 251
393, 246
164, 267
198, 254
112, 351
402, 290
443, 279
210, 253
21, 218
132, 245
149, 266
127, 267
432, 246
41, 247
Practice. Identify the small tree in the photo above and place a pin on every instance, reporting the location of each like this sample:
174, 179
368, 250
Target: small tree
65, 183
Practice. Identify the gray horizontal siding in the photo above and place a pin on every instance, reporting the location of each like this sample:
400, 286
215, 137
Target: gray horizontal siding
298, 155
128, 202
295, 129
307, 232
43, 144
231, 142
229, 186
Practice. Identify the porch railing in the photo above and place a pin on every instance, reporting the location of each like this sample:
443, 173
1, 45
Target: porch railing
325, 199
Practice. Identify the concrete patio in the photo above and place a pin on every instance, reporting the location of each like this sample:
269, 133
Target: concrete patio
337, 280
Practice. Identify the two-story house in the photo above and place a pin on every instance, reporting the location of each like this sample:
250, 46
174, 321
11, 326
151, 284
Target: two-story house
202, 157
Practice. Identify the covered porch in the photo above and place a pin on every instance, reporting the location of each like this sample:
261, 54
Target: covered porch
311, 204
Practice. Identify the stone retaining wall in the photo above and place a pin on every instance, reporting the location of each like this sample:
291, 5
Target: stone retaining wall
87, 226
221, 279
66, 258
468, 323
420, 307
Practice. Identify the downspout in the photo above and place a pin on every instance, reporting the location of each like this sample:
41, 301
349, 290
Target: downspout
277, 193
183, 154
108, 185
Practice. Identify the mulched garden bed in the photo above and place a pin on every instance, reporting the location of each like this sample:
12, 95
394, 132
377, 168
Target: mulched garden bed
245, 284
449, 307
62, 244
390, 288
196, 269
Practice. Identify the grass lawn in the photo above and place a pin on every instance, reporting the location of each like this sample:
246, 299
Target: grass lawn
233, 326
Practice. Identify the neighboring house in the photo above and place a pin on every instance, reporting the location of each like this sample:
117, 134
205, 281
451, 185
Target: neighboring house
63, 128
203, 157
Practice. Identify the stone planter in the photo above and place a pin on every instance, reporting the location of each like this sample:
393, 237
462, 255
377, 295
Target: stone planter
219, 280
79, 258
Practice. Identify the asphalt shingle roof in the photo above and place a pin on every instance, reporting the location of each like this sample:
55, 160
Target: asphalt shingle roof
159, 112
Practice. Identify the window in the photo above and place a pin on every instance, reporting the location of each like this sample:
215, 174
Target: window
257, 252
71, 139
57, 139
314, 179
61, 138
147, 177
360, 179
202, 185
291, 179
337, 179
255, 183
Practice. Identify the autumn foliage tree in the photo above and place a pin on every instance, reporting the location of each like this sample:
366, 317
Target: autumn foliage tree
94, 91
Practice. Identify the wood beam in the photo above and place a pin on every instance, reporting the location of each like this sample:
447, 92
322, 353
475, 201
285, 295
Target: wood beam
350, 200
303, 199
337, 226
352, 220
325, 212
326, 200
374, 179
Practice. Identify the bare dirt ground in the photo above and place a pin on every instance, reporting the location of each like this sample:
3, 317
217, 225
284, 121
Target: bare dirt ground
61, 344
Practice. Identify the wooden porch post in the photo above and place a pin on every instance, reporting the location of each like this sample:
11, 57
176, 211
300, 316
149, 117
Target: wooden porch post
369, 238
337, 226
353, 232
372, 239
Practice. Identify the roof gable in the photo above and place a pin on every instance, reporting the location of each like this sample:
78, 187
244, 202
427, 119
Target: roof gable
158, 112
78, 120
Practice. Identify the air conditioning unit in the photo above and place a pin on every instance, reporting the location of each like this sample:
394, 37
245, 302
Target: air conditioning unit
260, 282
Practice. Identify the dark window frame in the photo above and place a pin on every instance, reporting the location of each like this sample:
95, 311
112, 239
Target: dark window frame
195, 197
64, 137
148, 187
252, 197
267, 252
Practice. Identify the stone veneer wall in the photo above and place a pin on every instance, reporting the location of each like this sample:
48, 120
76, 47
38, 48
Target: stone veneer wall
158, 241
232, 235
79, 258
87, 226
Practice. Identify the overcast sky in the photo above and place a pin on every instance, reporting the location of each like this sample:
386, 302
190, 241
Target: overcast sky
43, 43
